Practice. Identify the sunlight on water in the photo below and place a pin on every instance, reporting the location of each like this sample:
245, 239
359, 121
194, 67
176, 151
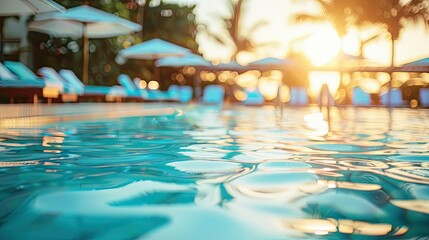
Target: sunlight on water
208, 173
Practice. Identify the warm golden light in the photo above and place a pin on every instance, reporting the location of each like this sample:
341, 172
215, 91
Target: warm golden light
323, 46
142, 84
284, 94
268, 87
248, 79
369, 85
317, 79
153, 85
351, 43
240, 95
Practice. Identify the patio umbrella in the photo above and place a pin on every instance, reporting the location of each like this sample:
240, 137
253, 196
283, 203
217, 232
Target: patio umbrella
86, 22
23, 7
231, 66
152, 50
424, 62
270, 63
189, 59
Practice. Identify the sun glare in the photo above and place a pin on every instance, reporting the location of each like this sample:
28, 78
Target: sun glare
317, 79
322, 46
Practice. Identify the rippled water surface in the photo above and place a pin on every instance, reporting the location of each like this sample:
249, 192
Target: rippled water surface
204, 172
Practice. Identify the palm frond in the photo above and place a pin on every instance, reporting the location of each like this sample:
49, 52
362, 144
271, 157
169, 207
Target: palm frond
309, 18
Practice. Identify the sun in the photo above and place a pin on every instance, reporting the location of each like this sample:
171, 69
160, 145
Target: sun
322, 46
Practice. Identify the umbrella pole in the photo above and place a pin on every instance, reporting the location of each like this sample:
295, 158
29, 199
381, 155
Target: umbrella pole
85, 56
157, 73
1, 39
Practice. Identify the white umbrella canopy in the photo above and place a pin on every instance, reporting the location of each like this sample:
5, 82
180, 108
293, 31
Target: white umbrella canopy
83, 21
23, 7
153, 49
189, 59
86, 22
28, 7
271, 63
231, 66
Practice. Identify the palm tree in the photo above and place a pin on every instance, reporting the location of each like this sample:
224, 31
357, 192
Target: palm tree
337, 12
233, 24
393, 15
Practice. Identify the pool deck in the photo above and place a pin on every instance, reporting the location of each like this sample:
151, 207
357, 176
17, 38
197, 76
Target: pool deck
28, 115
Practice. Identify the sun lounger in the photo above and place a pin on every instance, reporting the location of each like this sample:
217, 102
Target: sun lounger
213, 94
298, 96
68, 94
254, 97
186, 94
360, 97
13, 88
131, 90
87, 92
424, 97
395, 98
157, 95
179, 93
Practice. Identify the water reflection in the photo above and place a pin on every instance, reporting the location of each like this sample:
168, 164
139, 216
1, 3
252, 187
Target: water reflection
205, 172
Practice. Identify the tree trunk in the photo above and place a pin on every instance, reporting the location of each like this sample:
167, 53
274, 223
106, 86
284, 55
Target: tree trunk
1, 38
392, 65
140, 17
85, 68
340, 64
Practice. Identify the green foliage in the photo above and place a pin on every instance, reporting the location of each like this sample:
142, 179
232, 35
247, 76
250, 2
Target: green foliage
337, 12
242, 41
170, 22
178, 28
392, 14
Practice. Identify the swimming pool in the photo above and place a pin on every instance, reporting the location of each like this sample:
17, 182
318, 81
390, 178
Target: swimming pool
203, 172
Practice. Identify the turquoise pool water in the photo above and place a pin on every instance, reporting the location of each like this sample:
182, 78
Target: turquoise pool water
208, 173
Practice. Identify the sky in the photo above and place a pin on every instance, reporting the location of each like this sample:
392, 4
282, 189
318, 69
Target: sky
322, 42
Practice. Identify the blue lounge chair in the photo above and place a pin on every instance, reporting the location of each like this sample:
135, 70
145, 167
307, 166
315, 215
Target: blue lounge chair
213, 94
11, 87
424, 97
298, 96
254, 97
360, 97
86, 92
131, 90
179, 93
52, 78
395, 98
186, 94
157, 95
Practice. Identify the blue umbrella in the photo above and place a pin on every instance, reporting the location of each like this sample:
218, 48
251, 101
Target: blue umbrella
424, 62
189, 59
271, 63
153, 49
